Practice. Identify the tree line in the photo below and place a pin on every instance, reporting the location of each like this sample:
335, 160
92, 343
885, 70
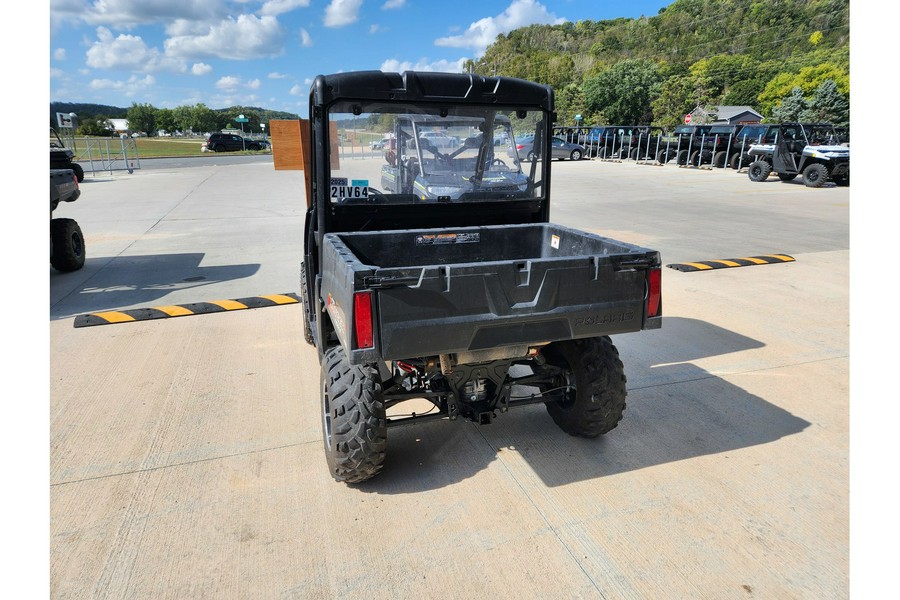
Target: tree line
787, 59
94, 120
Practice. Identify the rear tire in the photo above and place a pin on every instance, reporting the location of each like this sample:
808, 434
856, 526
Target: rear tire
66, 245
759, 170
695, 158
815, 175
842, 180
735, 161
681, 157
576, 155
78, 170
596, 404
354, 426
662, 157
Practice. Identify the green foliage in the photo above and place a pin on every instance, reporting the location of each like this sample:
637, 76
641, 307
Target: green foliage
678, 96
734, 52
743, 93
807, 79
165, 119
570, 102
624, 92
142, 117
827, 104
95, 126
790, 109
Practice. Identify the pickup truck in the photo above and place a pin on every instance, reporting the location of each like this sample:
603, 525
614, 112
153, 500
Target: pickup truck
465, 300
66, 239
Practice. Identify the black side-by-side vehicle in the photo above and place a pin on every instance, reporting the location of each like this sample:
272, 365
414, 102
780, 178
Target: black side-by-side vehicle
447, 293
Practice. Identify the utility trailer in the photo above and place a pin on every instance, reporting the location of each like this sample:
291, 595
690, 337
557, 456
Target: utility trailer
466, 299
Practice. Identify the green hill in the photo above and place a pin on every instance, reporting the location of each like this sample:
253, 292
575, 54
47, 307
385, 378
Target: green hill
732, 52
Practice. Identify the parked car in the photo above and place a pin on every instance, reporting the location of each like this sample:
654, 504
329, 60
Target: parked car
560, 149
229, 142
440, 139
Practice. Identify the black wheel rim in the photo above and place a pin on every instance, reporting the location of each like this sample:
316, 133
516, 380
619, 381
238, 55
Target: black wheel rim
77, 246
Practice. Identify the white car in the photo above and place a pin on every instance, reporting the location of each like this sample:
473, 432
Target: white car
439, 139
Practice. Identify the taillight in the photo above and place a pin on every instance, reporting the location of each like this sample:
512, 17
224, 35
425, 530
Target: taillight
520, 146
654, 279
362, 319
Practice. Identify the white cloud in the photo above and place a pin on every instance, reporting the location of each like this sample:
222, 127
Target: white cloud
298, 90
483, 32
277, 7
228, 83
201, 69
133, 83
128, 13
127, 52
59, 54
305, 40
393, 4
243, 38
442, 66
375, 28
56, 73
232, 83
277, 76
342, 12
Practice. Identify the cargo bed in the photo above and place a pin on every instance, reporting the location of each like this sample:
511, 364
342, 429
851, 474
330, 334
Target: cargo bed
478, 288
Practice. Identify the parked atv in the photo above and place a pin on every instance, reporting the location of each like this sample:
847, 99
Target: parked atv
810, 150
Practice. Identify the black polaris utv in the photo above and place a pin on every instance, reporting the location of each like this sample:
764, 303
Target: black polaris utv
62, 157
683, 144
445, 292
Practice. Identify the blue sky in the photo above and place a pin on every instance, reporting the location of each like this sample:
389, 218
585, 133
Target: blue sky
266, 52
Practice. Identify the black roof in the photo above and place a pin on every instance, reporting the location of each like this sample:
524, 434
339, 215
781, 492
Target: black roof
428, 87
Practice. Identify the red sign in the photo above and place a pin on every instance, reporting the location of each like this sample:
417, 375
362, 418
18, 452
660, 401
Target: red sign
687, 119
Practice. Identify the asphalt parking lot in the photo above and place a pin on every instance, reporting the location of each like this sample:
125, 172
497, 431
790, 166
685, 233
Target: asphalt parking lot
186, 458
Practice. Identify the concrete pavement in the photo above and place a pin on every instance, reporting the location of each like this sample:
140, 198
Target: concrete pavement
186, 453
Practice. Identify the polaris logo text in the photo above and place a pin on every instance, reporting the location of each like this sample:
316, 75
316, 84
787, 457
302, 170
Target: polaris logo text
621, 317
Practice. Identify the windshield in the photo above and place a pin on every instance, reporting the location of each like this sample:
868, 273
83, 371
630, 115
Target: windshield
757, 134
404, 153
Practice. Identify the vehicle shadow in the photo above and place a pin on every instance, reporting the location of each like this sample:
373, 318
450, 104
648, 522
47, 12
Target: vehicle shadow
677, 412
134, 281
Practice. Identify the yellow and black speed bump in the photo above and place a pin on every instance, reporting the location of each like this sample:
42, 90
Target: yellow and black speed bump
749, 261
183, 310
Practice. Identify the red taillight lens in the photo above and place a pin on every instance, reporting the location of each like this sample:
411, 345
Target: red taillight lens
362, 319
520, 146
654, 279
